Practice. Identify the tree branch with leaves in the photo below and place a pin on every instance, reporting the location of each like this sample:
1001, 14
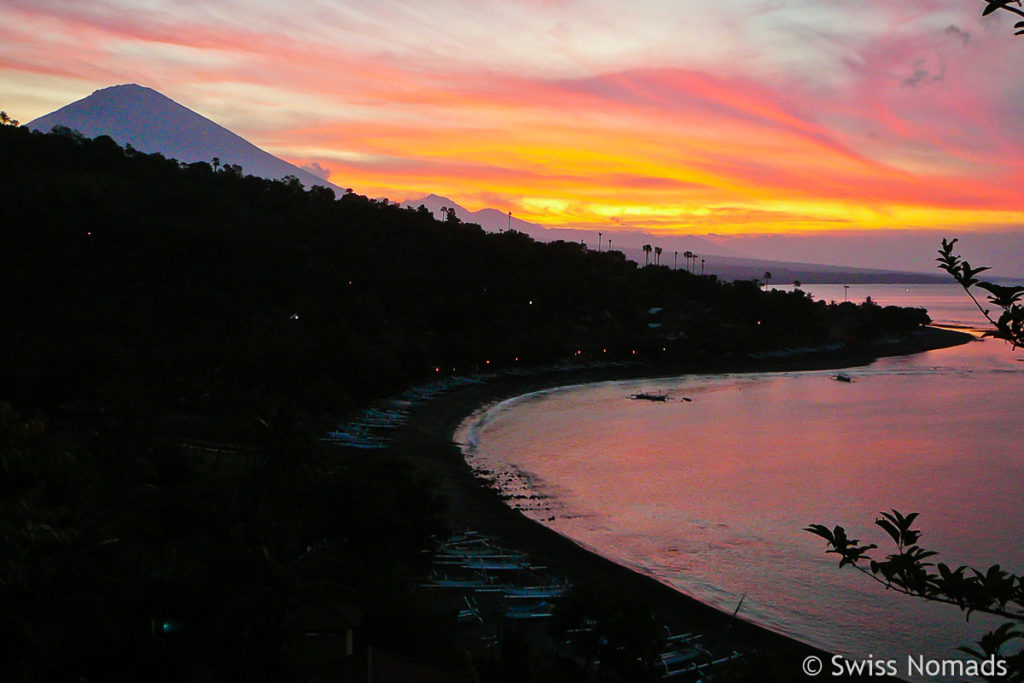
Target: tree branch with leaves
1009, 326
909, 571
1006, 5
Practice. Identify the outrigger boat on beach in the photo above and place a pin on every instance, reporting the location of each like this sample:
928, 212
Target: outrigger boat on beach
480, 566
496, 564
554, 590
443, 581
481, 555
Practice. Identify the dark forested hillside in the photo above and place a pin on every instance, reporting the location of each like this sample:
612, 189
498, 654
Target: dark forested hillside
130, 277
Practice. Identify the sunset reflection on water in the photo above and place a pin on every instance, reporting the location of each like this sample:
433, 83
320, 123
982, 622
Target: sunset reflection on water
711, 495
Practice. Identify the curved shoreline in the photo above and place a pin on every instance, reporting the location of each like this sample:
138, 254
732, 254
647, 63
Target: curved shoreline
428, 445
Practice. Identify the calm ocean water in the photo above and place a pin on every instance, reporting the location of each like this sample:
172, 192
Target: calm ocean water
710, 496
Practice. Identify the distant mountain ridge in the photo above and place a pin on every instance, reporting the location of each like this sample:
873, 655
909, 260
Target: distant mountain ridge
720, 261
493, 220
152, 122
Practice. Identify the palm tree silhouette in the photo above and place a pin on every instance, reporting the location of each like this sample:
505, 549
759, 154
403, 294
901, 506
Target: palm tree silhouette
657, 255
647, 254
767, 279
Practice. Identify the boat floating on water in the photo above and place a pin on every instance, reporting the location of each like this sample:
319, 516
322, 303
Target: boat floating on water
660, 398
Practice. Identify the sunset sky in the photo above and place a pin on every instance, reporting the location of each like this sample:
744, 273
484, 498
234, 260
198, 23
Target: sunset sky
664, 116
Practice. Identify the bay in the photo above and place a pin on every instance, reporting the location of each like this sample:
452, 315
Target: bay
710, 496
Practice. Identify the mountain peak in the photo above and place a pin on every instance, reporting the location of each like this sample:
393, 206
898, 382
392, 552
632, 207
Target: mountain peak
129, 90
429, 199
150, 121
124, 87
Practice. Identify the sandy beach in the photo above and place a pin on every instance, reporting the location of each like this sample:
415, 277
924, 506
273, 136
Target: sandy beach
427, 444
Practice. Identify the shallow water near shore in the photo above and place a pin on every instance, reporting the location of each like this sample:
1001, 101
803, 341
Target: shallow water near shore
710, 495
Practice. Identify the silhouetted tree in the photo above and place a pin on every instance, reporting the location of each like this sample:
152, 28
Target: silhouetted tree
657, 255
647, 254
69, 133
449, 215
293, 183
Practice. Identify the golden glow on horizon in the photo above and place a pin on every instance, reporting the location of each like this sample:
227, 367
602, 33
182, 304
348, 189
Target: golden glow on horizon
576, 122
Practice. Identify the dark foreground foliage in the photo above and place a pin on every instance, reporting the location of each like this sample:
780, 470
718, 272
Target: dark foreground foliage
151, 308
126, 558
